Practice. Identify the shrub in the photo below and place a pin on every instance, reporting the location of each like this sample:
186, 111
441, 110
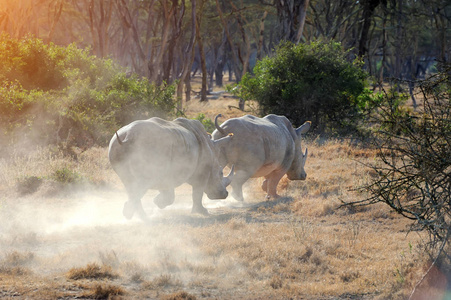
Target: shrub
208, 123
310, 82
66, 175
32, 63
28, 184
54, 94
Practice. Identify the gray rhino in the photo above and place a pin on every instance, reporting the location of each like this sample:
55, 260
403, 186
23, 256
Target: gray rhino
262, 147
160, 155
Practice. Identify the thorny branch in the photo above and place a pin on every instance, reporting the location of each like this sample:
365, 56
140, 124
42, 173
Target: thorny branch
412, 174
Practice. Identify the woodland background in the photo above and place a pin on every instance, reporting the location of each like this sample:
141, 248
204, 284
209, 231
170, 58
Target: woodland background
165, 40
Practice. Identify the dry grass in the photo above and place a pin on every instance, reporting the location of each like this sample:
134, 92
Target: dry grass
92, 271
179, 296
301, 246
104, 291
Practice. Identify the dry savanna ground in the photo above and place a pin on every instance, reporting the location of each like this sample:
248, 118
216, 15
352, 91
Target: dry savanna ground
65, 241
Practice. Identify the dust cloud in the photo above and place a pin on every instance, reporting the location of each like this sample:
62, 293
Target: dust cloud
85, 227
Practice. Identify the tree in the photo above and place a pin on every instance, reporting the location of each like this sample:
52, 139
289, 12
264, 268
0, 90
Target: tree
309, 82
403, 39
292, 16
99, 22
368, 10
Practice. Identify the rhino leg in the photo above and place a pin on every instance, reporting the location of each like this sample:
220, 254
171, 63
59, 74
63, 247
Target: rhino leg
164, 198
129, 210
265, 185
198, 208
140, 211
238, 180
272, 180
134, 204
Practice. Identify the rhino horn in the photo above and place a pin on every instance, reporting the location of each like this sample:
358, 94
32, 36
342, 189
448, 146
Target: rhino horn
223, 140
228, 178
304, 156
303, 128
217, 125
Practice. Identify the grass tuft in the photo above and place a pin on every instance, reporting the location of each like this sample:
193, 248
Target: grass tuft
28, 184
276, 282
182, 295
14, 271
18, 259
92, 271
162, 281
104, 291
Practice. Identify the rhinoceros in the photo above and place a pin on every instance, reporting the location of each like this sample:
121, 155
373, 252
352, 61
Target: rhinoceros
262, 147
160, 155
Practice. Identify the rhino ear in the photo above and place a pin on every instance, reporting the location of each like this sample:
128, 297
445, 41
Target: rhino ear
303, 128
223, 141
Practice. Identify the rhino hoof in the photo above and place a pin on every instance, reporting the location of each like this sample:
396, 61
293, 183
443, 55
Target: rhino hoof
161, 201
144, 217
200, 210
129, 210
238, 197
273, 197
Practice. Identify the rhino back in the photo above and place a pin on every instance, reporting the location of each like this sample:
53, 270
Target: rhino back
156, 152
207, 162
259, 142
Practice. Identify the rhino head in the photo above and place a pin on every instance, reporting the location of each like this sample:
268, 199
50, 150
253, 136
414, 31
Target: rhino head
217, 183
297, 171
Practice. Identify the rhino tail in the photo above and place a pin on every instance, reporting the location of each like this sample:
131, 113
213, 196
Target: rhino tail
119, 139
219, 128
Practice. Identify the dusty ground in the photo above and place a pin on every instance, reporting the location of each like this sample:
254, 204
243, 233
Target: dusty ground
71, 241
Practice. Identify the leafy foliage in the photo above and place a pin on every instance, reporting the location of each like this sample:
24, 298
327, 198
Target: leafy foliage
208, 123
66, 175
310, 82
53, 94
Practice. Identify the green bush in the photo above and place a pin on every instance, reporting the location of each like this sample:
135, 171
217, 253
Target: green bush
54, 94
66, 175
310, 82
208, 123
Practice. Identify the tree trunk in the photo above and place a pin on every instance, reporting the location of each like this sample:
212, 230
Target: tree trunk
56, 17
236, 63
302, 16
368, 9
188, 87
99, 22
127, 21
158, 62
261, 35
291, 15
219, 73
384, 51
203, 64
188, 58
220, 61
